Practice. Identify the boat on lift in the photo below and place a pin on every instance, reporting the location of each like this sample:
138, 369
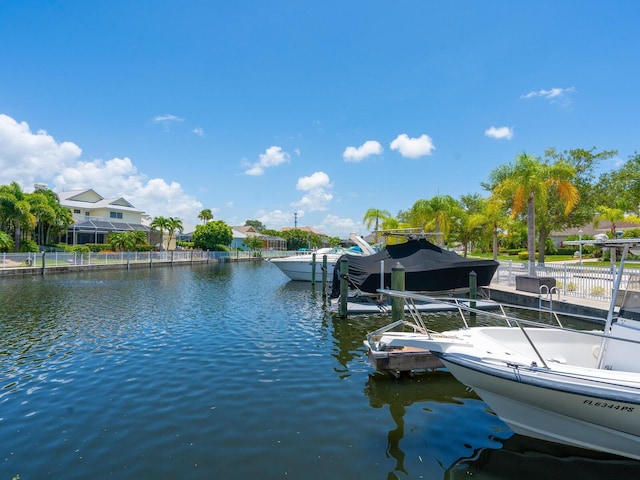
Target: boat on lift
300, 267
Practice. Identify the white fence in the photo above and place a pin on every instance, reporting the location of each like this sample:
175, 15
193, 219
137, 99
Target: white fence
64, 259
572, 279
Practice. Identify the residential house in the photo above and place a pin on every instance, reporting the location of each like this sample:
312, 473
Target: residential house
95, 217
269, 242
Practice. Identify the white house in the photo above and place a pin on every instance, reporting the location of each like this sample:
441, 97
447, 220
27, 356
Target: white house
95, 216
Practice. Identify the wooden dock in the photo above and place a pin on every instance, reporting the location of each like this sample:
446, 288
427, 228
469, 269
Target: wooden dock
403, 360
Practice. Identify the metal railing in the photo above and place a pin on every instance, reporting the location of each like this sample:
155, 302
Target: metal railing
77, 259
575, 280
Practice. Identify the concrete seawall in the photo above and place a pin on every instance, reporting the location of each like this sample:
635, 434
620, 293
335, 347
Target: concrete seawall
564, 304
53, 270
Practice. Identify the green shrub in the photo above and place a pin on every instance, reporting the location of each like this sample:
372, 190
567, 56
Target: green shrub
597, 290
28, 246
98, 247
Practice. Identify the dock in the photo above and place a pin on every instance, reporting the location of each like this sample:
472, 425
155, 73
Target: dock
404, 359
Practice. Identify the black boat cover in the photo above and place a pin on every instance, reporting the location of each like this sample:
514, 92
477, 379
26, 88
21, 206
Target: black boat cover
428, 268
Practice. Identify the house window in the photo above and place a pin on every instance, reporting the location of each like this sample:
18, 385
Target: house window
76, 210
115, 214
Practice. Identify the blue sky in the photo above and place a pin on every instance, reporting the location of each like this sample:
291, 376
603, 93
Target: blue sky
264, 109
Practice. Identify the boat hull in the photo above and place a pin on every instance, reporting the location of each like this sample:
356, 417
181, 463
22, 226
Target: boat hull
555, 405
300, 268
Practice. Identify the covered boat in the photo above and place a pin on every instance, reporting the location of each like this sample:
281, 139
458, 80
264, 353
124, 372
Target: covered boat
428, 268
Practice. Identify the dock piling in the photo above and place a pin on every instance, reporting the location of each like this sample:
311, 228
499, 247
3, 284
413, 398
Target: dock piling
473, 294
398, 275
344, 287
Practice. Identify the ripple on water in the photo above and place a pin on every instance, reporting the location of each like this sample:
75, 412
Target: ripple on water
221, 371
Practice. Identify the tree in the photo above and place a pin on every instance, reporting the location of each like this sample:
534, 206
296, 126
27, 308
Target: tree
214, 235
494, 211
469, 221
51, 217
256, 224
621, 188
252, 242
170, 225
584, 163
374, 216
526, 183
15, 212
434, 215
297, 239
173, 225
160, 224
6, 242
205, 215
615, 216
127, 241
550, 215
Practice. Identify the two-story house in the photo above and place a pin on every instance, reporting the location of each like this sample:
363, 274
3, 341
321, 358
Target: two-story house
95, 217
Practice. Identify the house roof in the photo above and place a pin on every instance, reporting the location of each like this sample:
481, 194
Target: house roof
245, 229
102, 225
89, 198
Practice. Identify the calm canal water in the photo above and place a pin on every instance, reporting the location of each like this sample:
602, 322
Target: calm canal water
231, 371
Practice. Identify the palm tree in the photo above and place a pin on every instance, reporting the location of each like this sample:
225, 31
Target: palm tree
15, 211
205, 215
527, 181
127, 241
434, 214
615, 216
160, 224
51, 217
173, 224
375, 216
494, 213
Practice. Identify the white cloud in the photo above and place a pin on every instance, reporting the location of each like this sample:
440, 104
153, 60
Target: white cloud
272, 157
167, 120
555, 95
314, 181
27, 158
499, 132
277, 219
198, 131
413, 147
370, 147
317, 196
339, 227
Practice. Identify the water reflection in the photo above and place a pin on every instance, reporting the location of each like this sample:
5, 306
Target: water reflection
433, 430
227, 371
526, 458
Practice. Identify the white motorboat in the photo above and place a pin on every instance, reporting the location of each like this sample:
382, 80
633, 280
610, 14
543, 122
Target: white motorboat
300, 267
569, 386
